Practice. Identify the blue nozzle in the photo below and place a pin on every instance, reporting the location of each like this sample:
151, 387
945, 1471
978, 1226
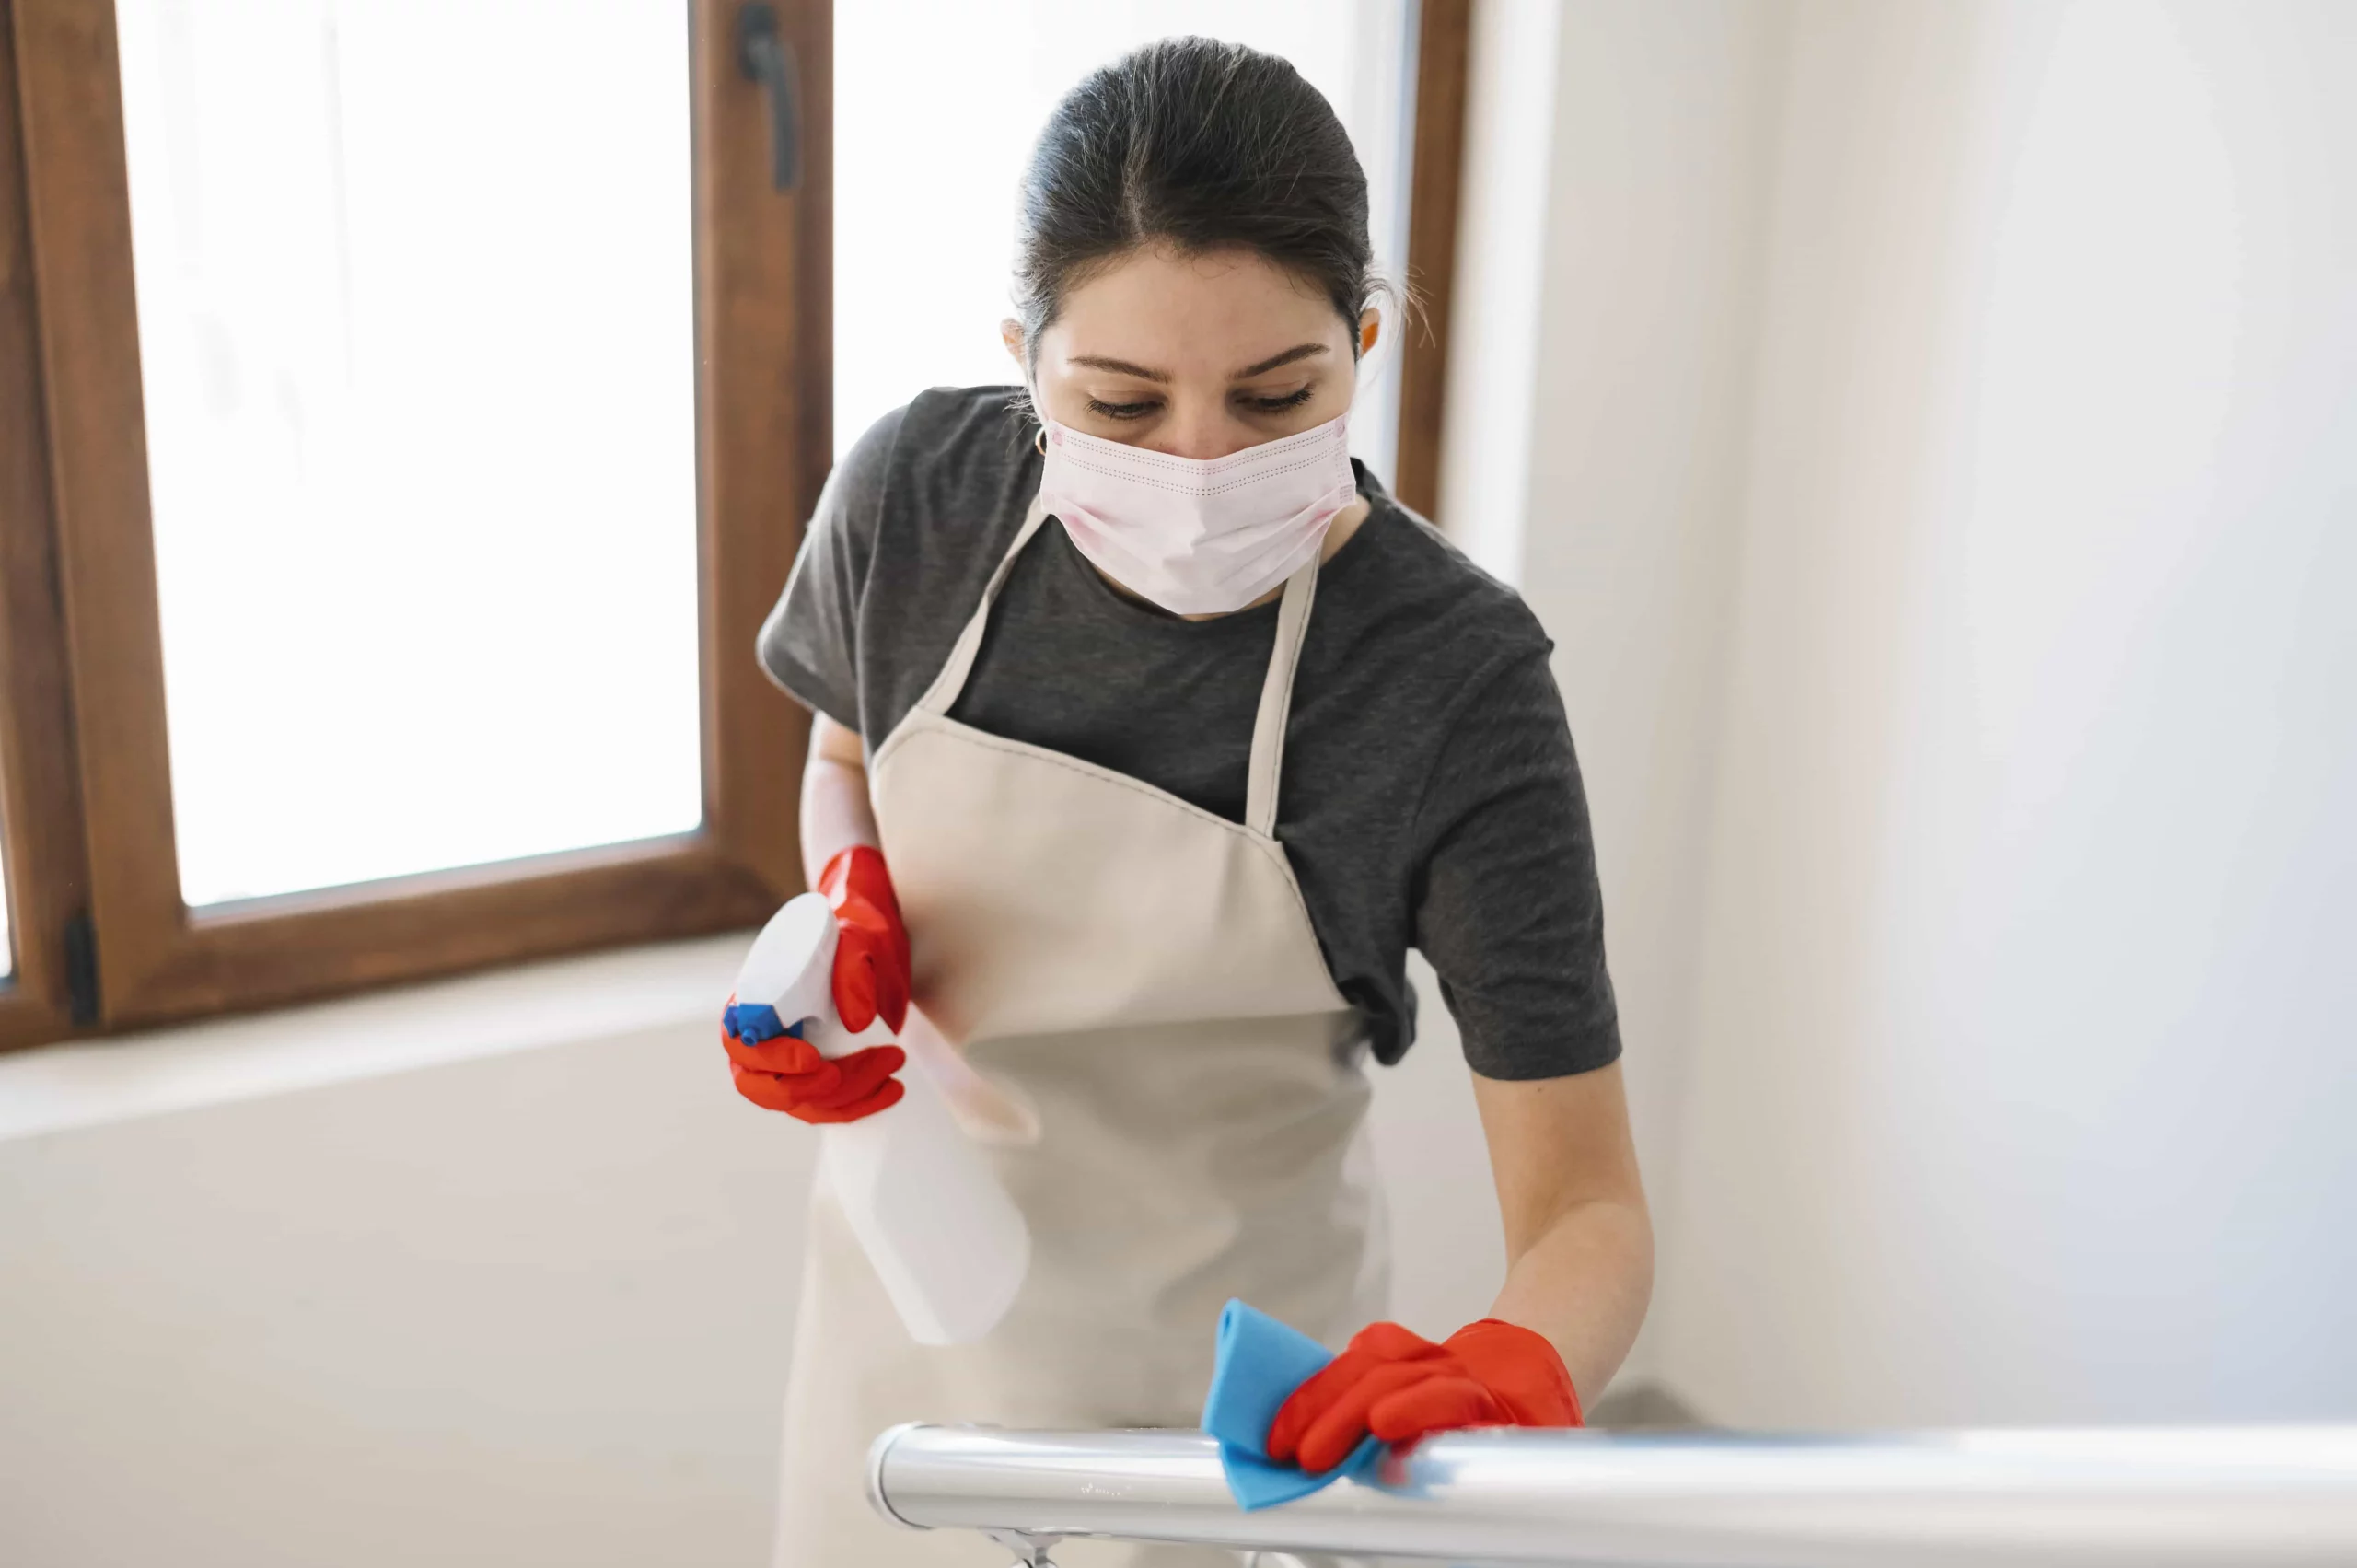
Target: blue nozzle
754, 1022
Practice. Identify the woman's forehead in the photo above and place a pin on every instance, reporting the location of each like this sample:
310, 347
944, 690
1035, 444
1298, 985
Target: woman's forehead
1218, 313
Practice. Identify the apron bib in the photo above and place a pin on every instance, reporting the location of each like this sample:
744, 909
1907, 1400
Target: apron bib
1142, 976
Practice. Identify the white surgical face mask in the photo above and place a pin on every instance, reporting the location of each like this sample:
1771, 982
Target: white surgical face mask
1199, 536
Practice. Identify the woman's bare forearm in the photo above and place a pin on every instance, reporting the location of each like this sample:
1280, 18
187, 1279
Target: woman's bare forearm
1579, 1241
835, 810
1584, 1283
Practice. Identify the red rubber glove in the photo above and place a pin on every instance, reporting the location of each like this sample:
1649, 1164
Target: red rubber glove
871, 946
787, 1074
870, 981
1398, 1385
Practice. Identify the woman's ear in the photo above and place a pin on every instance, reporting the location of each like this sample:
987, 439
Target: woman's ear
1010, 332
1370, 329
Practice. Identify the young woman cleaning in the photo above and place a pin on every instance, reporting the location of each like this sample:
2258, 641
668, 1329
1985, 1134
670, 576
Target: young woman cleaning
1148, 838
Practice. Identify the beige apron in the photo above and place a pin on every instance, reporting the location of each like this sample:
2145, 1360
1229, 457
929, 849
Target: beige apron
1142, 974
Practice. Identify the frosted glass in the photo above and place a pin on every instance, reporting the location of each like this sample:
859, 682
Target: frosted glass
924, 199
415, 320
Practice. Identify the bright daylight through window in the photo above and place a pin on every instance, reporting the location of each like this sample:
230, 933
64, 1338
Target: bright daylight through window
936, 105
415, 303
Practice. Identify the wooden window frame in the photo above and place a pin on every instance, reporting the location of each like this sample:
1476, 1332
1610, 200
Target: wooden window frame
102, 938
82, 707
40, 802
1435, 170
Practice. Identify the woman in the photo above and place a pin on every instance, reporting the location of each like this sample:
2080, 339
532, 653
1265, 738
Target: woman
1162, 837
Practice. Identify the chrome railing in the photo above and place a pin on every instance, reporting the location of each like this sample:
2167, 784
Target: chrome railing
2150, 1498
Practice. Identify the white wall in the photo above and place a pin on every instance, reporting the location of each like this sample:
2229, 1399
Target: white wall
1643, 343
527, 1307
1942, 475
2023, 1090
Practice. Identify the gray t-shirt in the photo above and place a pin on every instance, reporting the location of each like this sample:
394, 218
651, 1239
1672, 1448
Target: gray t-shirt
1430, 797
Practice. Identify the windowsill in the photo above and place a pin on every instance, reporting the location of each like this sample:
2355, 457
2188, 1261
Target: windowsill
567, 1001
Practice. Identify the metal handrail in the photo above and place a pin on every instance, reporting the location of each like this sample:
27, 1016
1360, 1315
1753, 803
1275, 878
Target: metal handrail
2143, 1497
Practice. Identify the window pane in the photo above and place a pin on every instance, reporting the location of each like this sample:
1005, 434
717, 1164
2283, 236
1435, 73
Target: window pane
924, 203
415, 314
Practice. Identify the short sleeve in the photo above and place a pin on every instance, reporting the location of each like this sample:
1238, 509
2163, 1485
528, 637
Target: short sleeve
809, 644
1507, 907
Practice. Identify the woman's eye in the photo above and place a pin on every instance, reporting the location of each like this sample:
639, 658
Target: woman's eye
1120, 411
1279, 405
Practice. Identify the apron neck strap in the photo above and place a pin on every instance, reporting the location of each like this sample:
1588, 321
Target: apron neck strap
1276, 700
1276, 688
942, 696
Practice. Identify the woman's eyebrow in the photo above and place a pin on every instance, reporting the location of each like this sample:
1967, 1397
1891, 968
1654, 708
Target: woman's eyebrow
1119, 366
1299, 351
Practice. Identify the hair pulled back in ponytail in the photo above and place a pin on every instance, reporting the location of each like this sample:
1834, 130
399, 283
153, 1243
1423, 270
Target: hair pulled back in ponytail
1203, 146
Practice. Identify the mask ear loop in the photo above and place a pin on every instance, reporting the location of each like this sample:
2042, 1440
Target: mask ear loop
1039, 440
1389, 317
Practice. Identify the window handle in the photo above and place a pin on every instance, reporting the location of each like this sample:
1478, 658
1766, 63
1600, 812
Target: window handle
767, 58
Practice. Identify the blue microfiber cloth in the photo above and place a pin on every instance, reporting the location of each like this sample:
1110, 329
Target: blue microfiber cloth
1260, 1362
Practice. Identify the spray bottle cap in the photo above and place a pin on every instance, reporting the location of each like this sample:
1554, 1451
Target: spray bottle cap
791, 969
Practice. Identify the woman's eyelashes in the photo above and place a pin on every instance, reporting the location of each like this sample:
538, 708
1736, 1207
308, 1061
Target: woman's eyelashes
1251, 402
1279, 403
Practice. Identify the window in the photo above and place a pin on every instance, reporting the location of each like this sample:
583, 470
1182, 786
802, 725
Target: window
420, 414
407, 408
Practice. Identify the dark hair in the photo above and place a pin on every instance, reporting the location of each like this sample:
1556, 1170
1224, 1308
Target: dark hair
1198, 144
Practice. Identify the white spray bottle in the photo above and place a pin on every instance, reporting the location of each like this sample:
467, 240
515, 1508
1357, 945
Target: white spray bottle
950, 1245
